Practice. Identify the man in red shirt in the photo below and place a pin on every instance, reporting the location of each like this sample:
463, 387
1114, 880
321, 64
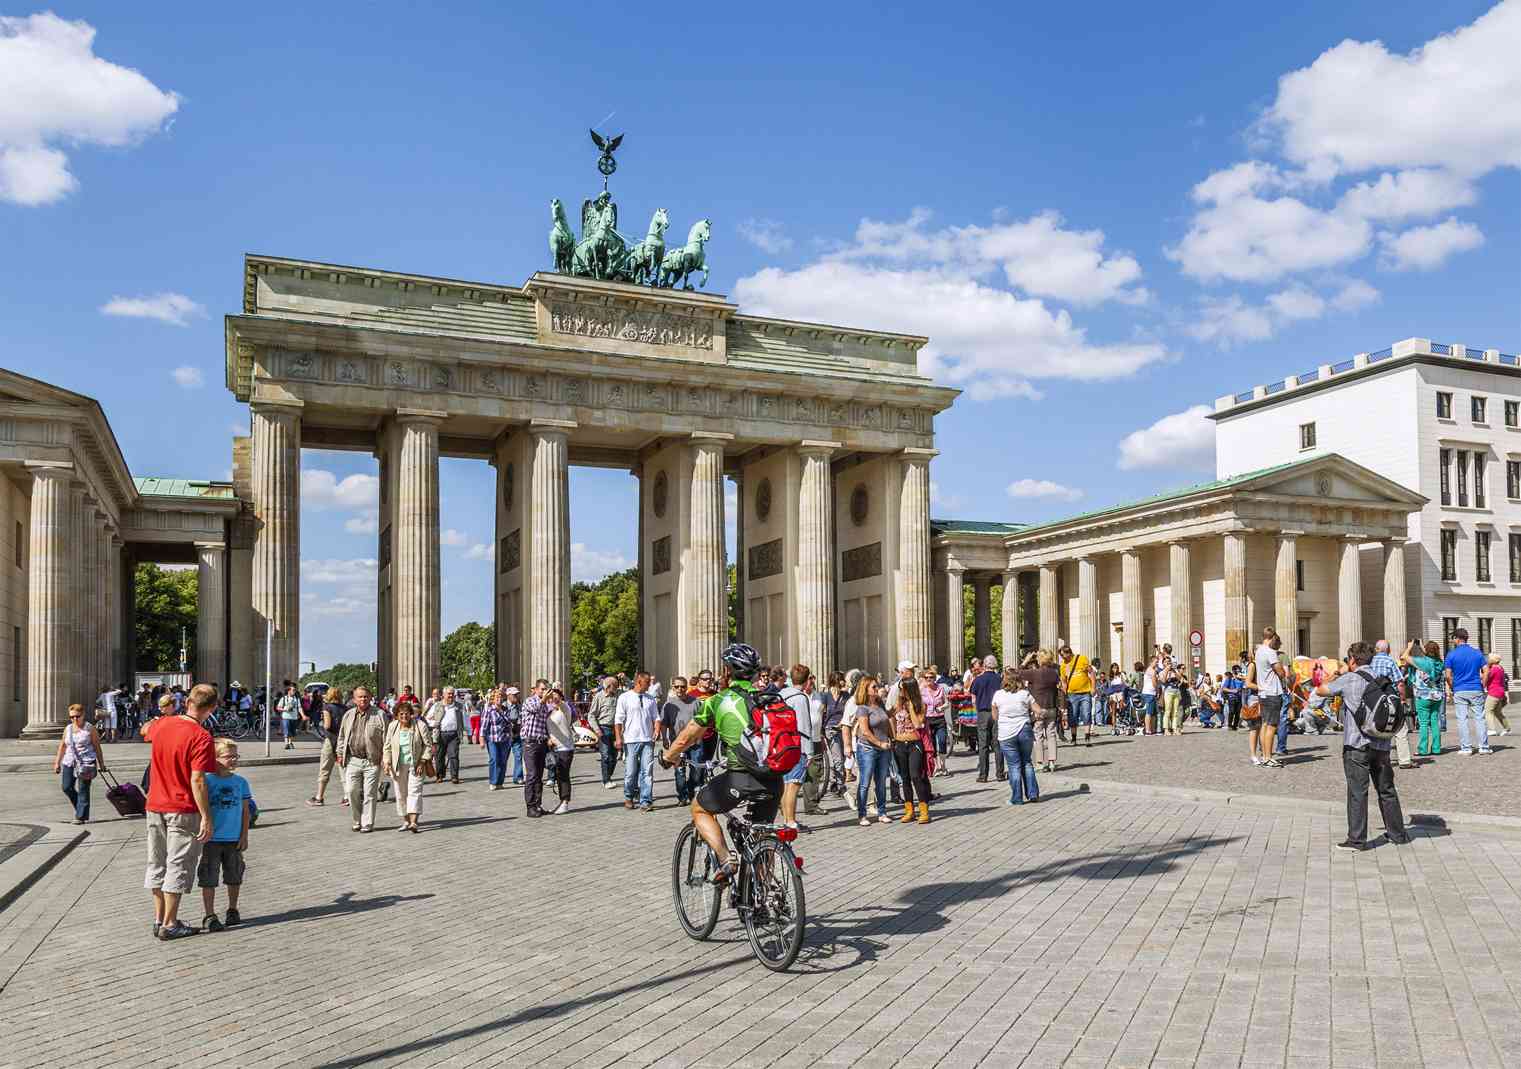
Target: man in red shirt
179, 809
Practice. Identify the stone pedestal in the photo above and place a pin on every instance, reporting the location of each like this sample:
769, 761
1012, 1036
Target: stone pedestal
1236, 638
548, 592
1396, 627
703, 579
815, 560
1133, 637
1180, 576
1286, 593
49, 590
415, 578
915, 620
277, 541
211, 615
1349, 596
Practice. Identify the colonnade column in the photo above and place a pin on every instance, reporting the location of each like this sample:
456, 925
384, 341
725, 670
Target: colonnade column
50, 584
1349, 595
100, 604
815, 558
87, 686
1236, 638
1180, 583
1048, 610
1133, 638
1087, 641
1009, 616
79, 529
916, 621
982, 615
703, 574
211, 614
955, 618
277, 540
1396, 627
548, 590
1286, 592
414, 550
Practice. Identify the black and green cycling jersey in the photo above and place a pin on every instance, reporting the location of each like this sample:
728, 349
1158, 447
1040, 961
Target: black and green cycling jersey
728, 713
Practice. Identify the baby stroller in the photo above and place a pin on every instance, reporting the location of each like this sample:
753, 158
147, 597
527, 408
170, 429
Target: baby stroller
1132, 719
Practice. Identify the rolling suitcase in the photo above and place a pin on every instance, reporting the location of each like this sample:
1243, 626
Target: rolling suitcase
126, 797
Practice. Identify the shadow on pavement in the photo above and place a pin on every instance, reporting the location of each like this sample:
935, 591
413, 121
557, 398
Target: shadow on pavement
343, 905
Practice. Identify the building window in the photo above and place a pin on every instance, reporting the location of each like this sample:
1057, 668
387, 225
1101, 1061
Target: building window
1307, 436
1486, 633
1299, 577
1449, 625
1515, 557
1444, 463
1481, 557
1477, 407
1513, 479
1444, 406
1462, 478
1449, 555
1480, 462
1513, 413
1515, 647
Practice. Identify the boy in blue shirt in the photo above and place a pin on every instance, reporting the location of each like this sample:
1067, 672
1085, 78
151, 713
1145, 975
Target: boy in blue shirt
223, 854
1464, 665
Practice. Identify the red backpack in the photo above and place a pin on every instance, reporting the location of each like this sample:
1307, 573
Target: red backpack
772, 744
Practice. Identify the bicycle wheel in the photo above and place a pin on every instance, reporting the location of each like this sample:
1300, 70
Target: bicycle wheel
777, 911
697, 899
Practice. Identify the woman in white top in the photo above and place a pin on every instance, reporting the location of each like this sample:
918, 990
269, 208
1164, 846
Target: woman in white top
79, 757
562, 740
1014, 710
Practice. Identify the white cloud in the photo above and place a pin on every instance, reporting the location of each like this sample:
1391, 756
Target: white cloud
1028, 488
339, 571
766, 235
1296, 302
323, 490
1230, 320
54, 90
1354, 295
589, 565
173, 308
450, 537
942, 500
1182, 440
1422, 248
481, 551
187, 377
1409, 195
367, 522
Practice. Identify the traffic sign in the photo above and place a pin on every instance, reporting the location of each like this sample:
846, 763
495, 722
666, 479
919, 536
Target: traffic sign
1195, 638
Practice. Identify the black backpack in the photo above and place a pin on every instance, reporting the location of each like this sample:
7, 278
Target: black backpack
1382, 713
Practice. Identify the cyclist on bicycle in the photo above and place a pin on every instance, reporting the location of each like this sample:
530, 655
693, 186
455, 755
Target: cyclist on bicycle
728, 713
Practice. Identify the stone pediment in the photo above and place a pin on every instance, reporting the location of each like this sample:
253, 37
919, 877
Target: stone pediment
1329, 478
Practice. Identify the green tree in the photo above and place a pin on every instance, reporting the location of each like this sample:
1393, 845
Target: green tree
467, 657
343, 675
969, 621
164, 603
604, 626
732, 579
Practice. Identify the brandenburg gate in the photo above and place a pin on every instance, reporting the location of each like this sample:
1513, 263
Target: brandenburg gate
828, 431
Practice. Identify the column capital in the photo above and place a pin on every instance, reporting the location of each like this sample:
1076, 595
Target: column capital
545, 427
420, 415
705, 437
275, 408
809, 447
55, 469
954, 569
1289, 532
915, 454
210, 545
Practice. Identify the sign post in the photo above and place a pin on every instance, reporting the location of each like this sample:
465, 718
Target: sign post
1196, 649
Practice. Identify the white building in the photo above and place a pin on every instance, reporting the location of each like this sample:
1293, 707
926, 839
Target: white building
1443, 420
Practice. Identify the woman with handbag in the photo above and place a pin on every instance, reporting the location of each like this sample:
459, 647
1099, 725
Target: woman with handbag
79, 758
408, 762
1496, 693
562, 744
1042, 681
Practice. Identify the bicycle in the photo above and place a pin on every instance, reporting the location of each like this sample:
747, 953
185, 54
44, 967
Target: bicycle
766, 891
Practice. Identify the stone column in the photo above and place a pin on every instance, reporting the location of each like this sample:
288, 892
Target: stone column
49, 592
114, 611
982, 615
100, 602
1396, 627
84, 605
815, 559
128, 617
1286, 592
548, 551
703, 578
1236, 638
80, 512
1133, 638
277, 540
1009, 615
1180, 582
916, 626
1048, 610
211, 615
955, 619
1349, 595
1087, 641
414, 550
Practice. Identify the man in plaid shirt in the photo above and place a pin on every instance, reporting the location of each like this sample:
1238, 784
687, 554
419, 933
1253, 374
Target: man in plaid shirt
533, 729
1385, 665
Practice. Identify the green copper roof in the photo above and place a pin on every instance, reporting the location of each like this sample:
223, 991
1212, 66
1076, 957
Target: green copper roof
940, 527
154, 486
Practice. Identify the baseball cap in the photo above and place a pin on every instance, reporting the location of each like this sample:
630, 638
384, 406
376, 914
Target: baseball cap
905, 666
512, 690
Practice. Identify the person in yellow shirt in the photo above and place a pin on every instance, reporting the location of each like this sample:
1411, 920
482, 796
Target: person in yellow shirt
1076, 681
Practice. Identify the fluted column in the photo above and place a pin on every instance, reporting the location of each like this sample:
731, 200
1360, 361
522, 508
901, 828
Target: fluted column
1349, 595
79, 670
815, 559
100, 604
1286, 593
982, 615
915, 618
414, 550
277, 540
1008, 613
84, 605
211, 614
1396, 627
49, 589
1236, 638
1048, 610
1088, 609
1180, 583
1133, 637
548, 590
955, 618
115, 611
703, 578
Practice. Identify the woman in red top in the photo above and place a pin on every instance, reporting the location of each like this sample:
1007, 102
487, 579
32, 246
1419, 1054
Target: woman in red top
1496, 692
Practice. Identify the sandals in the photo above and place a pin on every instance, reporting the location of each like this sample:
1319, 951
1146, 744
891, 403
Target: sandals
726, 872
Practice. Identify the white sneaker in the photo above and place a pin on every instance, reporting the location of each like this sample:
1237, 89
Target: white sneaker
865, 823
1256, 760
609, 785
871, 812
1465, 752
1485, 750
564, 807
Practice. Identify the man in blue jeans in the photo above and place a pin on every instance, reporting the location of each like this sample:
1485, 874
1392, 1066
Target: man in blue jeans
634, 732
1466, 693
600, 716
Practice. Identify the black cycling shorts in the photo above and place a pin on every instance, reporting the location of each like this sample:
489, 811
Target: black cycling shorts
735, 787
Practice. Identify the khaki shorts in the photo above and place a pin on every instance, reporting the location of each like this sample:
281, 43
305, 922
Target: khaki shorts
173, 853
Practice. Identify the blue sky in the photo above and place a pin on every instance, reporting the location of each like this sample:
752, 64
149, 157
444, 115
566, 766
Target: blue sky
1103, 215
